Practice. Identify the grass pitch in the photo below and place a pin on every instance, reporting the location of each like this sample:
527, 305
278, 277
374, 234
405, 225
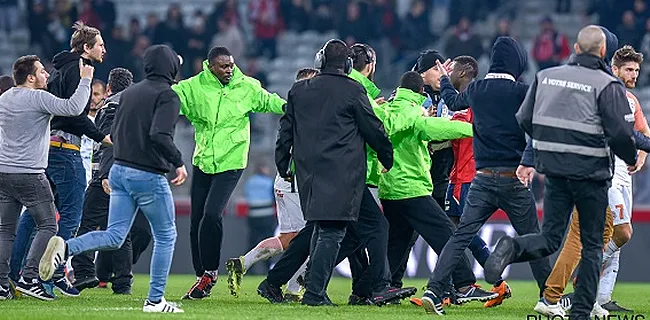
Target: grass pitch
96, 304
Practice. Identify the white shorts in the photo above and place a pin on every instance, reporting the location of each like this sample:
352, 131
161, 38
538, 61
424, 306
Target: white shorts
290, 216
620, 201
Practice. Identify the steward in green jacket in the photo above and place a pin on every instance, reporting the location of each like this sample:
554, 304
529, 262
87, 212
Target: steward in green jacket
217, 102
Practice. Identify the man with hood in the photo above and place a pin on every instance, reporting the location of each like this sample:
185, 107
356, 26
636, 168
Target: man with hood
498, 146
217, 102
96, 200
573, 149
144, 153
65, 164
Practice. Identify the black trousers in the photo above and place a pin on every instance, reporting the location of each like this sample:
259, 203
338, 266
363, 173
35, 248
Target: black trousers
397, 275
324, 248
210, 194
442, 161
118, 262
370, 232
487, 194
424, 216
560, 196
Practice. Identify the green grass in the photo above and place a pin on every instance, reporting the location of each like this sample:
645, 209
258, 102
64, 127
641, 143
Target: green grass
96, 304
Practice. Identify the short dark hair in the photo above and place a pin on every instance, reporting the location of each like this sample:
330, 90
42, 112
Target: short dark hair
412, 80
305, 73
100, 82
336, 53
82, 35
467, 64
6, 83
361, 55
626, 54
218, 51
119, 79
23, 67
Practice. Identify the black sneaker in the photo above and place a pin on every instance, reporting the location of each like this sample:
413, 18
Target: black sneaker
85, 283
201, 288
6, 293
66, 287
355, 300
33, 288
389, 294
474, 293
612, 306
432, 303
271, 293
500, 258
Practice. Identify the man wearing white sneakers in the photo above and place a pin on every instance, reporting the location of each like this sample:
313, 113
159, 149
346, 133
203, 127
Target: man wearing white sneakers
144, 152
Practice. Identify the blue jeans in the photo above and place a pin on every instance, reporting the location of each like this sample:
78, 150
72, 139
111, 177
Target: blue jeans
65, 169
132, 189
456, 196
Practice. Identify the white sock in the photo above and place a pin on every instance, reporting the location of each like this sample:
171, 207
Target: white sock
266, 249
293, 286
608, 279
610, 248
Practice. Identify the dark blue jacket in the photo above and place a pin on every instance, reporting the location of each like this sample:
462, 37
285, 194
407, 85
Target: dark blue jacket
498, 139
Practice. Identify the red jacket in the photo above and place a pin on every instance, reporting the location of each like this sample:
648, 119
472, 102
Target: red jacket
464, 168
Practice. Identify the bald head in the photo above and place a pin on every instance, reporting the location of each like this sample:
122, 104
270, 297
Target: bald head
591, 40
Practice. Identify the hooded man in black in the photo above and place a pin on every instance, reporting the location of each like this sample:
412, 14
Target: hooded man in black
498, 146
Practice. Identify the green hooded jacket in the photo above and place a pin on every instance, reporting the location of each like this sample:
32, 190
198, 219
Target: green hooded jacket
372, 173
409, 131
219, 114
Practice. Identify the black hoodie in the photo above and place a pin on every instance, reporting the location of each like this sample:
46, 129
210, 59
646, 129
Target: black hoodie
62, 83
498, 139
143, 128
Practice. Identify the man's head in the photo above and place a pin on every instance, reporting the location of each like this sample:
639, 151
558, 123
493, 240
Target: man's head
626, 65
591, 40
547, 24
413, 81
28, 71
98, 94
363, 59
6, 83
221, 64
427, 68
334, 55
118, 80
306, 73
465, 70
87, 41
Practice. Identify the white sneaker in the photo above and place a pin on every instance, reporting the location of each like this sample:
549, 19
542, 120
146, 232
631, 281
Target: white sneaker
543, 307
599, 311
163, 306
53, 256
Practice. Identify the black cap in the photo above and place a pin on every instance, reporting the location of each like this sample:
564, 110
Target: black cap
427, 60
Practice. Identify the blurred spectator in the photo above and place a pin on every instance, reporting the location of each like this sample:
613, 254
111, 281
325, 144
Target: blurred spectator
354, 29
464, 41
198, 40
414, 29
503, 29
267, 23
322, 19
608, 11
550, 47
66, 12
197, 65
117, 47
259, 194
386, 22
172, 31
56, 37
627, 31
645, 41
134, 61
296, 13
225, 9
463, 8
135, 29
231, 37
253, 70
152, 25
641, 13
89, 15
37, 21
9, 15
106, 11
562, 6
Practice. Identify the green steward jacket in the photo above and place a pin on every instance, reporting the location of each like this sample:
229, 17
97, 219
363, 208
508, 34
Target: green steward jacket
409, 131
372, 171
219, 114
